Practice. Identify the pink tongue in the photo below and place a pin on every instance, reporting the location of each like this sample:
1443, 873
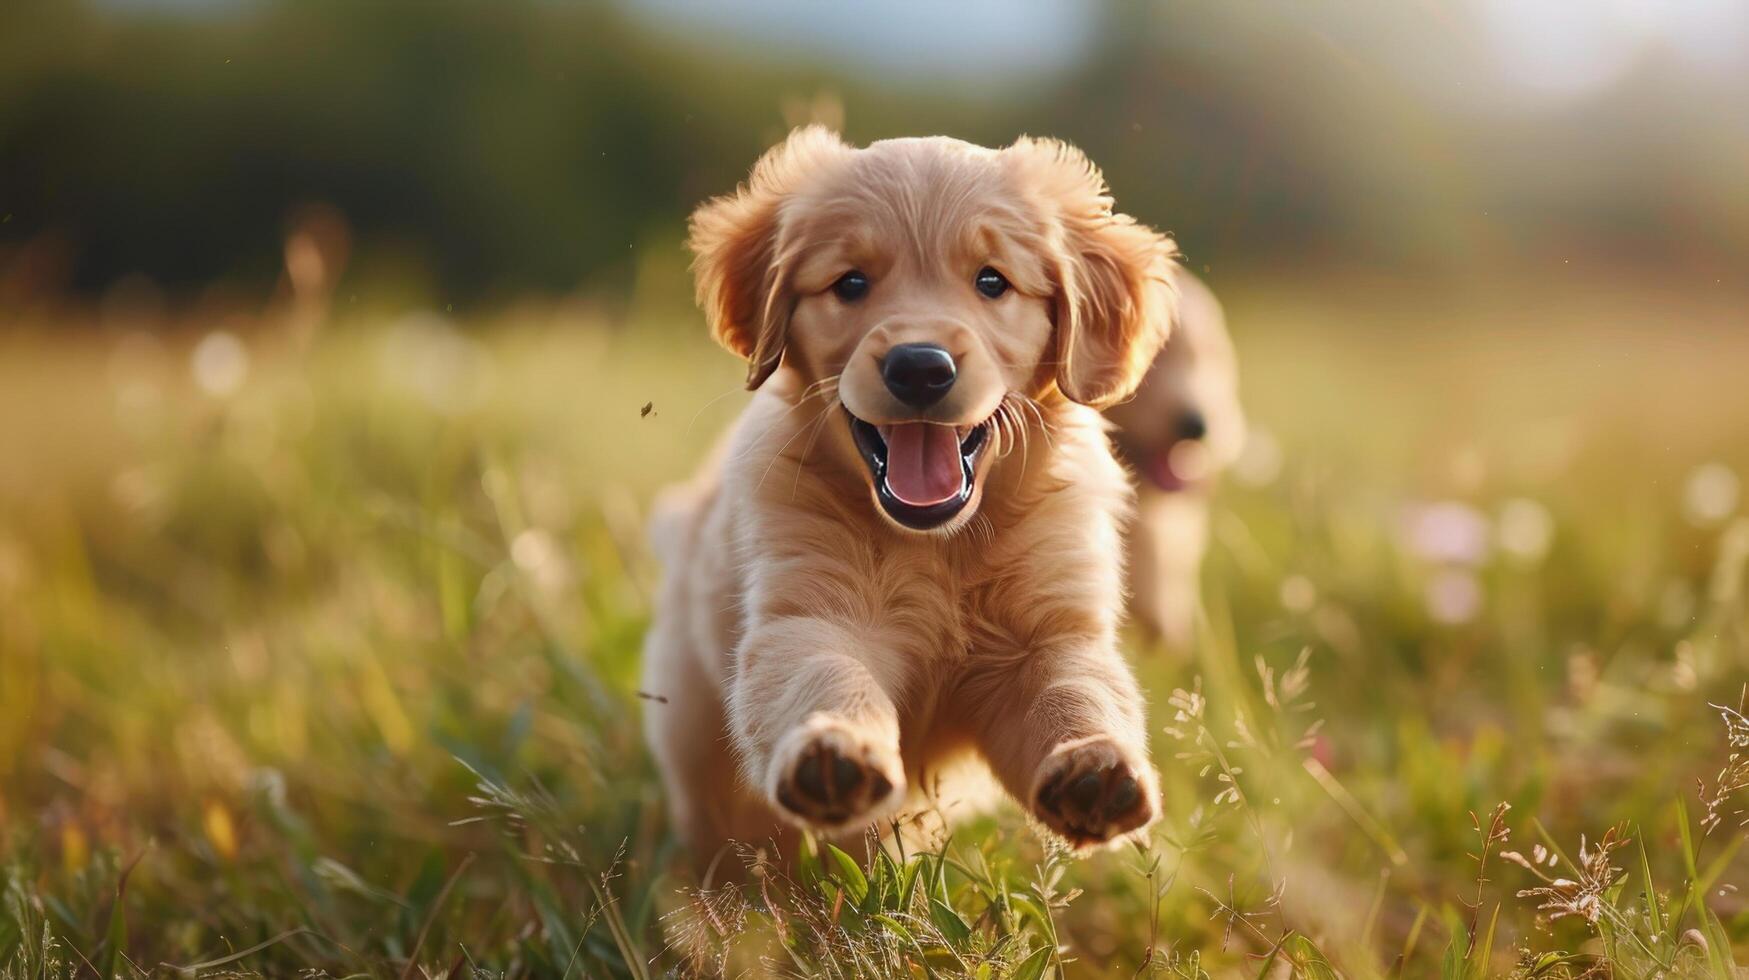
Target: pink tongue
1160, 469
923, 462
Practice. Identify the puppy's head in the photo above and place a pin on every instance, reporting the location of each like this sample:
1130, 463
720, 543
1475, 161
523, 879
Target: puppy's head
1184, 423
925, 281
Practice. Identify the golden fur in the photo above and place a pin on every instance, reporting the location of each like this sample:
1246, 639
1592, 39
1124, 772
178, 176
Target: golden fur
818, 663
1196, 374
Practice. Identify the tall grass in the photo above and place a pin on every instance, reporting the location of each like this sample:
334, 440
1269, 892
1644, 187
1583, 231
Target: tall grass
320, 655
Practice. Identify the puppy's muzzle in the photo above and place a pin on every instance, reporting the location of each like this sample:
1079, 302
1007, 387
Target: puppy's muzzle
919, 375
923, 473
1183, 463
924, 470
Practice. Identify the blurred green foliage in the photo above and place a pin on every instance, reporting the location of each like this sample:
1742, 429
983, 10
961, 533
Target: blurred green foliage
486, 149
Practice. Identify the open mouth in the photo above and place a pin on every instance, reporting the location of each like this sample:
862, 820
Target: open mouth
1184, 466
923, 471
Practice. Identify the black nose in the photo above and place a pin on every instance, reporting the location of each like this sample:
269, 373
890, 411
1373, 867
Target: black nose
1191, 425
918, 374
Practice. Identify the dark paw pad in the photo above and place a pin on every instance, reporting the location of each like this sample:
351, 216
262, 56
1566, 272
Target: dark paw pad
1091, 794
829, 787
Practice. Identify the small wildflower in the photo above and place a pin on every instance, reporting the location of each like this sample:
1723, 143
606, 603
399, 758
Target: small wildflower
1710, 495
1282, 691
1247, 919
538, 553
1187, 706
1733, 777
1298, 594
1525, 530
1310, 740
1259, 462
699, 929
1445, 532
220, 363
1580, 898
1242, 737
1454, 597
1495, 833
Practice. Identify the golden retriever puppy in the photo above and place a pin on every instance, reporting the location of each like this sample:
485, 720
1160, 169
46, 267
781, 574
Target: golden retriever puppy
908, 552
1183, 426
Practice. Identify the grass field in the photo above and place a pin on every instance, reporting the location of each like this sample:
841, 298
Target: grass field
320, 655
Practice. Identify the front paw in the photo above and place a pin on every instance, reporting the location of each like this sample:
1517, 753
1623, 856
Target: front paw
828, 775
1092, 790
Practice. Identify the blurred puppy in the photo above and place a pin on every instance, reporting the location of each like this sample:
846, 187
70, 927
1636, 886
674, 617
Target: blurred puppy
1183, 426
909, 550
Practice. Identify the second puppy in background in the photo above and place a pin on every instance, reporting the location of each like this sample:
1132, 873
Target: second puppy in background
1182, 428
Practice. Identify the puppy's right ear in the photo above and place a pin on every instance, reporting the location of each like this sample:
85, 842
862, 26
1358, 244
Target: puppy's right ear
740, 269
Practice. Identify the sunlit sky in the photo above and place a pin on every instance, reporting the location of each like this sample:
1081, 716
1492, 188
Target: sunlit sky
1546, 50
1560, 48
966, 39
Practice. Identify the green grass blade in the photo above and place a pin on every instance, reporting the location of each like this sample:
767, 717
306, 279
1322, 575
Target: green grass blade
196, 968
634, 960
1689, 852
1718, 945
1716, 867
953, 928
1688, 861
1411, 940
1310, 962
1451, 965
116, 935
1035, 964
1483, 952
1653, 912
849, 874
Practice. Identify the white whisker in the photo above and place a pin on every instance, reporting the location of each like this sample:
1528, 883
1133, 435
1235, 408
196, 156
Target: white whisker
805, 427
1038, 413
807, 450
1025, 439
707, 405
810, 391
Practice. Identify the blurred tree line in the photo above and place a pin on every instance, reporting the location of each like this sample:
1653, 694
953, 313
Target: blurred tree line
496, 148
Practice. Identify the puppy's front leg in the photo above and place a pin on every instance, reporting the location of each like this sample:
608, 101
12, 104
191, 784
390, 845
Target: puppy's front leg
1065, 732
817, 731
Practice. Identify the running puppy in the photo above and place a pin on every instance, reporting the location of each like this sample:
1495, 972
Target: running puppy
908, 551
1182, 428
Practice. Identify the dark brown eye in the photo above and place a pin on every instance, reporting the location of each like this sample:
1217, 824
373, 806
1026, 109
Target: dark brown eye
851, 286
990, 282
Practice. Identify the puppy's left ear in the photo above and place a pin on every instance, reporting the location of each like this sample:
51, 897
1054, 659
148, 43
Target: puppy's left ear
738, 264
1115, 300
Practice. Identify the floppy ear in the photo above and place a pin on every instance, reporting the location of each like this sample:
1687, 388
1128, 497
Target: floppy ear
737, 267
1115, 298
